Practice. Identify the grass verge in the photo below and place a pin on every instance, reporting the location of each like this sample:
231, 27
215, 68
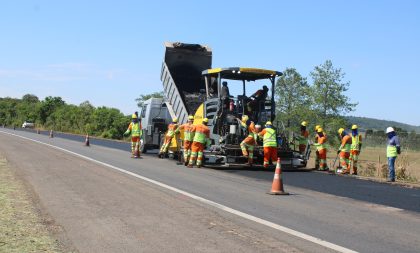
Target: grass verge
21, 226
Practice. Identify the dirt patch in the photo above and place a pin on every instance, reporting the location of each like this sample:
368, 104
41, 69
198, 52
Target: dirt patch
22, 227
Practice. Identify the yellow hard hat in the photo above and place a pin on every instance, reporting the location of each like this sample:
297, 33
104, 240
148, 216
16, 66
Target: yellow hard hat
340, 131
320, 130
190, 117
304, 123
244, 118
205, 120
354, 127
134, 116
175, 120
317, 126
268, 123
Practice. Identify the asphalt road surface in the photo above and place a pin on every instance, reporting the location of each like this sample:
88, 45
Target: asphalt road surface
107, 202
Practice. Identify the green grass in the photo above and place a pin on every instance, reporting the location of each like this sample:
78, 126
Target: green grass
21, 227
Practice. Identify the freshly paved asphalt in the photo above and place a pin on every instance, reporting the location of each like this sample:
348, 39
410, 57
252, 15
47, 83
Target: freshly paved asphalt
361, 215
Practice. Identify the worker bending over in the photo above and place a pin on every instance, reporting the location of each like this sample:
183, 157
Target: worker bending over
270, 143
249, 143
356, 145
172, 130
136, 133
201, 140
303, 137
321, 149
188, 138
344, 151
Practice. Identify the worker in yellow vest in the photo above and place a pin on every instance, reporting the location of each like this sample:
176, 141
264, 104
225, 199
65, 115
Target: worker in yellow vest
316, 152
172, 130
356, 146
136, 133
269, 143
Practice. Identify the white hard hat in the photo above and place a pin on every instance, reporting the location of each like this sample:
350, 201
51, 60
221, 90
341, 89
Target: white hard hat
389, 130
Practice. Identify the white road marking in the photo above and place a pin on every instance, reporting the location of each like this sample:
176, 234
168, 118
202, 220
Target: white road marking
206, 201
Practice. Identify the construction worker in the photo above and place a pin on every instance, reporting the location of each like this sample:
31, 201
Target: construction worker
256, 99
392, 151
303, 137
316, 152
248, 144
200, 141
270, 143
136, 133
188, 138
356, 145
172, 130
321, 149
344, 151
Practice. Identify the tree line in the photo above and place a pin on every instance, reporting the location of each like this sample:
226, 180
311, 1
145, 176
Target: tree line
55, 113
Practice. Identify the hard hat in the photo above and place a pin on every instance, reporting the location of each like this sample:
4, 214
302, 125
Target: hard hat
134, 116
304, 123
390, 130
244, 118
320, 130
354, 127
175, 120
190, 117
257, 126
205, 120
268, 123
317, 126
340, 131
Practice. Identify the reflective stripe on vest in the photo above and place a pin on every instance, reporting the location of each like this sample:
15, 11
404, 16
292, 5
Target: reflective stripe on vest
391, 151
355, 141
135, 129
270, 138
187, 133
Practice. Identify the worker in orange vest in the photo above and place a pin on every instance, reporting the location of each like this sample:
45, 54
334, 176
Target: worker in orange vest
321, 149
270, 143
188, 138
172, 130
200, 141
249, 143
136, 133
344, 151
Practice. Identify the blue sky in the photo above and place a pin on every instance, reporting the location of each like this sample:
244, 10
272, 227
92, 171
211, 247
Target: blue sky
109, 52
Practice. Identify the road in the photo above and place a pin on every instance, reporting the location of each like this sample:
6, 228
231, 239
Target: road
346, 213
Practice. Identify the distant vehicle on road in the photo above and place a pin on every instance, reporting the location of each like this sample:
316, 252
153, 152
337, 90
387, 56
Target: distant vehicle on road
28, 124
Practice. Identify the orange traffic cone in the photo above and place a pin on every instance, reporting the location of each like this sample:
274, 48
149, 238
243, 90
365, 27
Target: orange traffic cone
51, 134
277, 187
87, 143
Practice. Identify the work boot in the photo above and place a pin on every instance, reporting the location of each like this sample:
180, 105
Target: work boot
189, 166
198, 166
186, 163
345, 172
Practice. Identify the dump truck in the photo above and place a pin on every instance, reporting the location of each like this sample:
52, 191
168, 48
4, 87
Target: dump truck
193, 87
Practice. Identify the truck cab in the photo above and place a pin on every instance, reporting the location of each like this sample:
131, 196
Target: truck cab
155, 118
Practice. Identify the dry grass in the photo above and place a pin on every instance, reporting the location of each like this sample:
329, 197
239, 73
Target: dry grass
21, 228
373, 163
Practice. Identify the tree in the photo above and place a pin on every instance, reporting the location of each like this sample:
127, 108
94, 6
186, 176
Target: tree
48, 106
292, 96
30, 99
328, 91
140, 100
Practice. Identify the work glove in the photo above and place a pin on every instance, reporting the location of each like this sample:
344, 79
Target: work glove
338, 152
399, 150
